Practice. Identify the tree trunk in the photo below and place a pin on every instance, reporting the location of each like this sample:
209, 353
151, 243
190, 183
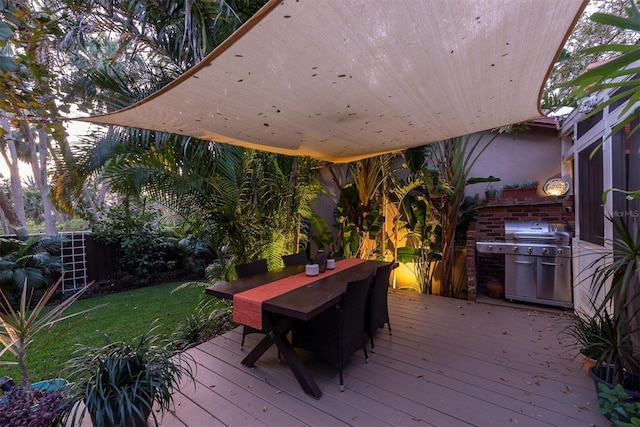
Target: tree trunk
448, 259
43, 185
12, 162
12, 218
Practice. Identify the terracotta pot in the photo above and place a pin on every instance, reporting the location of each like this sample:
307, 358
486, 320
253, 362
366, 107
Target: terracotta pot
495, 288
587, 363
519, 193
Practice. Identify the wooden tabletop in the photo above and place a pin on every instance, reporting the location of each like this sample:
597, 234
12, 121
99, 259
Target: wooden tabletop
302, 303
226, 290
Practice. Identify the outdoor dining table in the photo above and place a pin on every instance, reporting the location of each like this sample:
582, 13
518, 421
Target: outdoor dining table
284, 296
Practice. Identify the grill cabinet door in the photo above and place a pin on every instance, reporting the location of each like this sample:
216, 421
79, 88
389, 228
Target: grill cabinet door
554, 279
520, 276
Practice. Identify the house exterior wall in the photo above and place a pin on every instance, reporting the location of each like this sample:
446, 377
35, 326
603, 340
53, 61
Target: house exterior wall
533, 155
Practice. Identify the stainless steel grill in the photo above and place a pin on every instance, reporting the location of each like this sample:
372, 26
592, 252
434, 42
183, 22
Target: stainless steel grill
537, 262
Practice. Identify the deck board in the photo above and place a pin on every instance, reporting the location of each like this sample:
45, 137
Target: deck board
447, 363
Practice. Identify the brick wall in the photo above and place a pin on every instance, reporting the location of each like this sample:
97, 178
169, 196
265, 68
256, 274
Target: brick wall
490, 226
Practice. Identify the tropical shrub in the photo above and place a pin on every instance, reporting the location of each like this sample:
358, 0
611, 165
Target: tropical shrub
142, 246
35, 261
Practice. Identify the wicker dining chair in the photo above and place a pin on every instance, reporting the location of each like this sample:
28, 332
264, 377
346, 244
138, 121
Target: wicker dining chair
338, 332
294, 259
248, 270
251, 268
377, 306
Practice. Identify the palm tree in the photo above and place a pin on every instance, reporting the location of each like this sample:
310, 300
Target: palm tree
249, 203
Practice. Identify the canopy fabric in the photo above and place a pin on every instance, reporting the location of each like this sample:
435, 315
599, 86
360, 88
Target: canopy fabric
341, 80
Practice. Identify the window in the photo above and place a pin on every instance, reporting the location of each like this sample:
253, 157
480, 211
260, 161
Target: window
587, 123
591, 215
625, 150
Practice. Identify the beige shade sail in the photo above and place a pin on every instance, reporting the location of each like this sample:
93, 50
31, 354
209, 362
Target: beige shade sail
341, 80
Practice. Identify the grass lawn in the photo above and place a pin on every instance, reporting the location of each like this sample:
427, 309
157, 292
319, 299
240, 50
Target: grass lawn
125, 315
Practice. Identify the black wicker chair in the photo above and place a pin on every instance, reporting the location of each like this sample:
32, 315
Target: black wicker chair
251, 268
248, 270
377, 309
294, 259
338, 332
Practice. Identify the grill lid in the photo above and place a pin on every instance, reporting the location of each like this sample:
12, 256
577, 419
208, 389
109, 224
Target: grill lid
530, 231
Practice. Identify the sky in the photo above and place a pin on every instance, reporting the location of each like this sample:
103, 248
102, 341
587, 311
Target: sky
74, 129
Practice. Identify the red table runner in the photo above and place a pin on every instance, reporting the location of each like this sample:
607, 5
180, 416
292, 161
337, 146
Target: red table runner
247, 305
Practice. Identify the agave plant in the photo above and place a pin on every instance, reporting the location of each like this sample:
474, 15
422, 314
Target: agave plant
19, 327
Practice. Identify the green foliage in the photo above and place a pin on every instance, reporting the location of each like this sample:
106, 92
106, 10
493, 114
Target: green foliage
595, 335
573, 60
440, 173
106, 72
143, 248
416, 221
615, 275
520, 185
356, 221
618, 406
35, 261
618, 73
207, 321
121, 380
359, 213
20, 327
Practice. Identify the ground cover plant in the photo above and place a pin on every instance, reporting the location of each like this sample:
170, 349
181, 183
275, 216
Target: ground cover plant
124, 316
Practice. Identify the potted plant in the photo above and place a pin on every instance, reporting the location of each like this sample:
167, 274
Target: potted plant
121, 381
490, 192
593, 335
23, 329
616, 276
520, 190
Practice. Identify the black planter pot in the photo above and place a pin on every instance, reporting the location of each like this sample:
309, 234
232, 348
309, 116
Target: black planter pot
631, 383
137, 421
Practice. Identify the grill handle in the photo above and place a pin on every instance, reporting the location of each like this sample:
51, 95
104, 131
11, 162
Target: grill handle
523, 262
546, 238
551, 264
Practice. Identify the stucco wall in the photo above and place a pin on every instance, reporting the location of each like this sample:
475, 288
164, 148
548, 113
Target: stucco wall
524, 156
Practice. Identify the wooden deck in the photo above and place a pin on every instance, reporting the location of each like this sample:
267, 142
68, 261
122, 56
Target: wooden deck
448, 363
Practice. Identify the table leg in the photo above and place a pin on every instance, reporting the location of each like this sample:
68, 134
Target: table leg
278, 335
